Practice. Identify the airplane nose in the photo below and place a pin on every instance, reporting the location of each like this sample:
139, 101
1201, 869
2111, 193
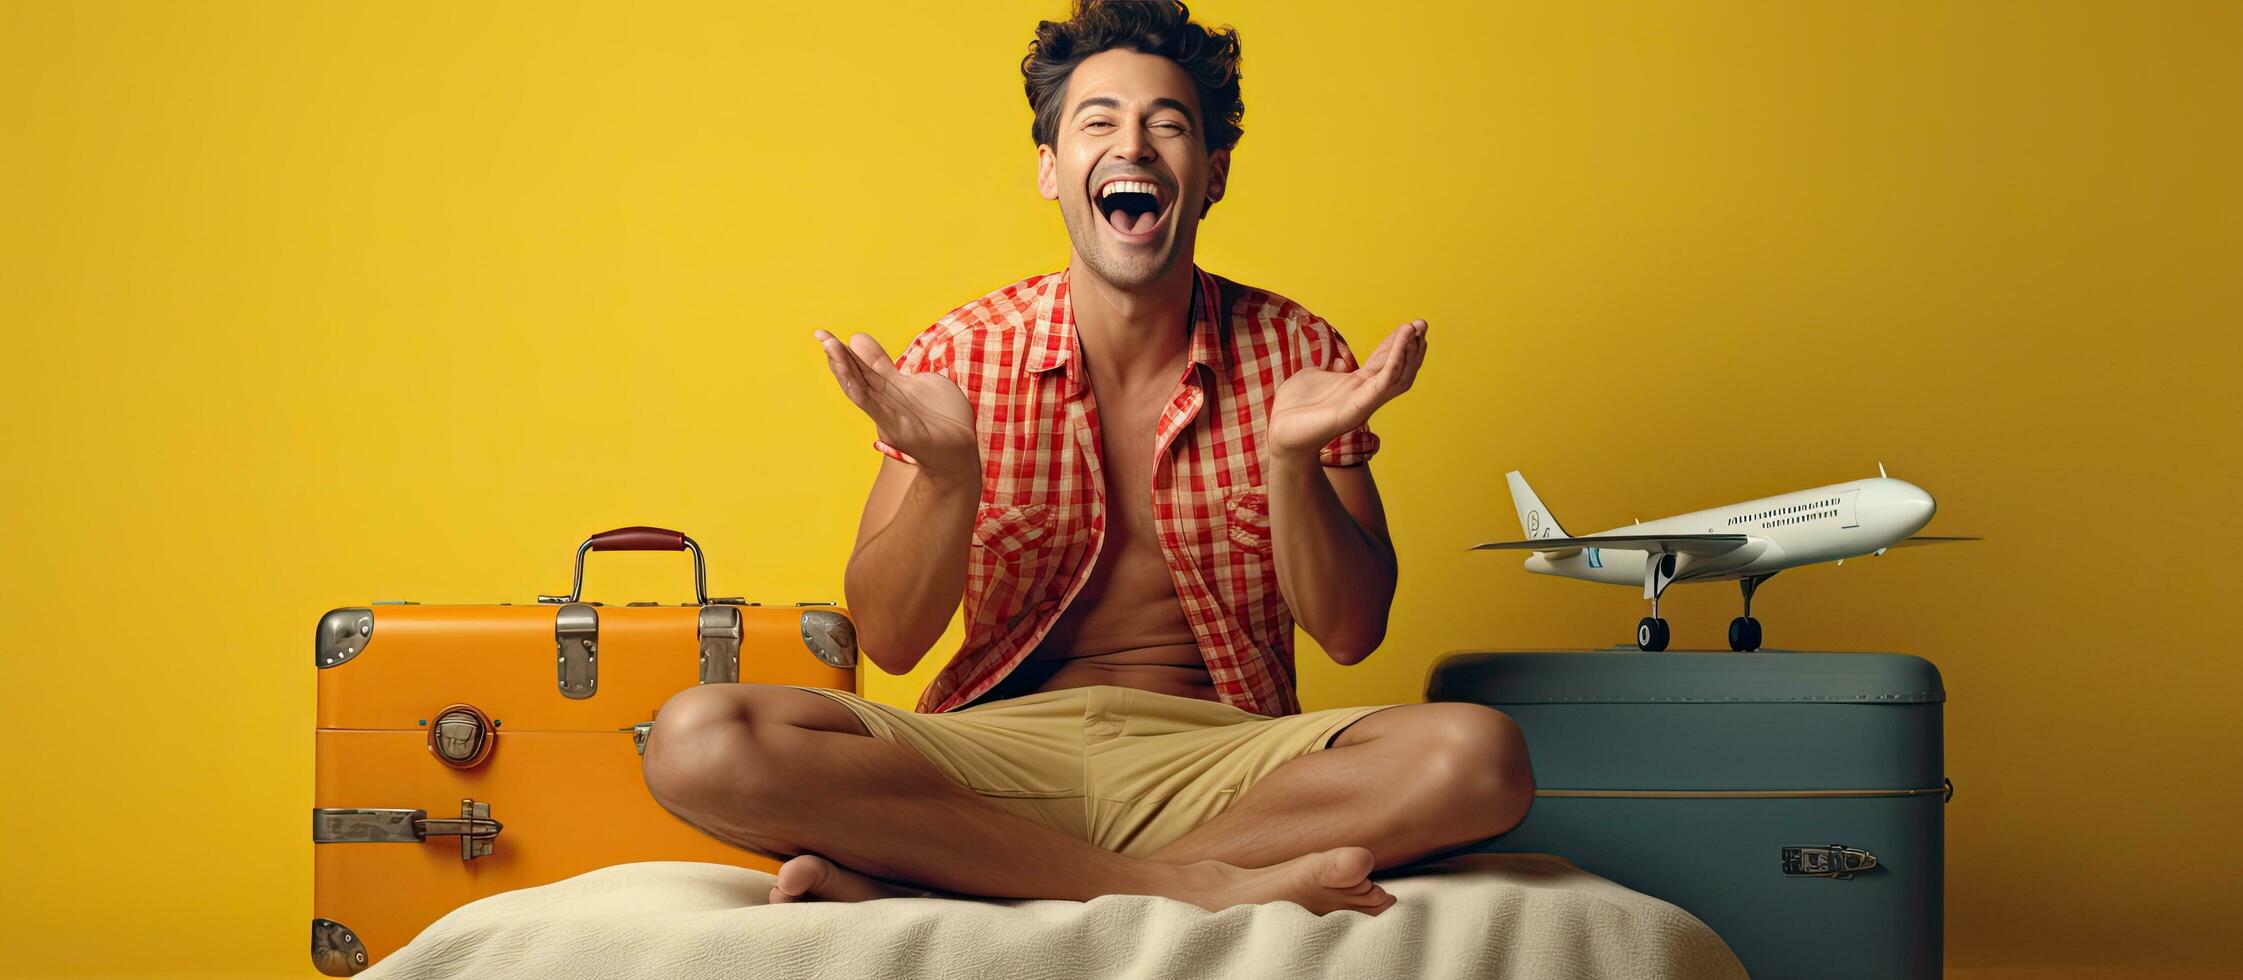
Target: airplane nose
1912, 508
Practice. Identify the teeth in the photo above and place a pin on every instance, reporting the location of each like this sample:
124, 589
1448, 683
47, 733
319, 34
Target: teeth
1129, 187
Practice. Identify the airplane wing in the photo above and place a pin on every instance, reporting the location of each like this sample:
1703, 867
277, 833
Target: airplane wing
1681, 544
1924, 539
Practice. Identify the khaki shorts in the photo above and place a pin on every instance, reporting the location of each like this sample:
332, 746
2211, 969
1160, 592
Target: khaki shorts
1124, 769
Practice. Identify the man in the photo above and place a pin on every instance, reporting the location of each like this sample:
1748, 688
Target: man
1135, 475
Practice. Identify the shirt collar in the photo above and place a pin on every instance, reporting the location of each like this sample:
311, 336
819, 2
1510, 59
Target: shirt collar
1053, 341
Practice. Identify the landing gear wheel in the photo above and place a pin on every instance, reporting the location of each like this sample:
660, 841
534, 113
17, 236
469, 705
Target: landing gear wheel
1651, 634
1744, 634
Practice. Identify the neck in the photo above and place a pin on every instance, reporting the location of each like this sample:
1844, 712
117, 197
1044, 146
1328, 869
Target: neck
1132, 335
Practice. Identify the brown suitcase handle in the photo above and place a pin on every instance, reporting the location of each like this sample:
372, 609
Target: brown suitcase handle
641, 538
638, 538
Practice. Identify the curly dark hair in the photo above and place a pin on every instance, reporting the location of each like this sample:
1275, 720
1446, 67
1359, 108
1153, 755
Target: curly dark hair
1157, 27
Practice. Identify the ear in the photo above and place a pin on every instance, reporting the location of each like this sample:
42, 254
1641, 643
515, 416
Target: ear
1047, 172
1218, 177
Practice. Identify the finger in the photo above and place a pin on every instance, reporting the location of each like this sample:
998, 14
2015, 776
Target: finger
837, 358
1417, 360
873, 355
1387, 348
1396, 355
850, 373
875, 373
1378, 356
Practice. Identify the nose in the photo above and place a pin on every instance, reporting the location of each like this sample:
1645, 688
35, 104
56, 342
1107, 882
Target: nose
1132, 146
1911, 508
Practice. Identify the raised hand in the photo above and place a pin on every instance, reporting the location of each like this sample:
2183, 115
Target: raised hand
924, 415
1316, 406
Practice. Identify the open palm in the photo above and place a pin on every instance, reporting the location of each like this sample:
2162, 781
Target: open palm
1316, 406
924, 415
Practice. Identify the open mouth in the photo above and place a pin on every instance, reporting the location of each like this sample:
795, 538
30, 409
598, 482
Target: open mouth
1133, 209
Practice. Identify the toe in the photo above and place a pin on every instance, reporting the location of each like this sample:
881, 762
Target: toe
1344, 867
803, 875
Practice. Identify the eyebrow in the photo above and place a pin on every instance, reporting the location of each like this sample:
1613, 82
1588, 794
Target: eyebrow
1109, 102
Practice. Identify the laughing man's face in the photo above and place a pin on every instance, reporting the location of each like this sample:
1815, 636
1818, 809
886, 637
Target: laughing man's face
1130, 167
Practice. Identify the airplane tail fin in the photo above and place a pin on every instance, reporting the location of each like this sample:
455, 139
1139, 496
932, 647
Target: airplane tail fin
1534, 518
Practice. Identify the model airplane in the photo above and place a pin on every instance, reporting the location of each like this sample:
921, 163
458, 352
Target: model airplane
1748, 542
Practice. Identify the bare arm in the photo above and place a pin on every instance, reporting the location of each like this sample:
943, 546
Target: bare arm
907, 570
1335, 564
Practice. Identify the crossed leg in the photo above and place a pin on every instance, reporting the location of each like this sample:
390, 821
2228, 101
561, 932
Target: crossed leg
1407, 782
788, 773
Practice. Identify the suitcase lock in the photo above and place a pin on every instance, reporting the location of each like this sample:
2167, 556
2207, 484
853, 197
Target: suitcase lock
1826, 861
462, 736
475, 828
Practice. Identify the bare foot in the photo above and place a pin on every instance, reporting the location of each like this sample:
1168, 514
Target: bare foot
1327, 881
813, 878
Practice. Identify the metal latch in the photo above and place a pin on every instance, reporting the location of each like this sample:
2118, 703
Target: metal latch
639, 732
1826, 861
576, 631
720, 644
475, 828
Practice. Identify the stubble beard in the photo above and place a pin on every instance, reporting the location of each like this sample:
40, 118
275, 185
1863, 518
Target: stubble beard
1124, 267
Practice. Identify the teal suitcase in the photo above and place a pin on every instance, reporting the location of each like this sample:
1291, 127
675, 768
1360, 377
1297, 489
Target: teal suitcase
1792, 801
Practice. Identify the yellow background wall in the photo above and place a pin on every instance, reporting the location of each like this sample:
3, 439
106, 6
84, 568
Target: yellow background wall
310, 304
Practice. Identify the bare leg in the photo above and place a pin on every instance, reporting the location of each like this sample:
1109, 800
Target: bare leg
732, 760
1406, 782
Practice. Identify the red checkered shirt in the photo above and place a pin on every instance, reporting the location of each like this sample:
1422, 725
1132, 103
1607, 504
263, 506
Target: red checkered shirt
1042, 514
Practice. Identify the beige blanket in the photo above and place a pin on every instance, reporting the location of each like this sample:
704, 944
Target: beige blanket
1481, 915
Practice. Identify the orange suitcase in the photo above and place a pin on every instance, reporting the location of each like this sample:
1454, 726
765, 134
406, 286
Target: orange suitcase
463, 751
